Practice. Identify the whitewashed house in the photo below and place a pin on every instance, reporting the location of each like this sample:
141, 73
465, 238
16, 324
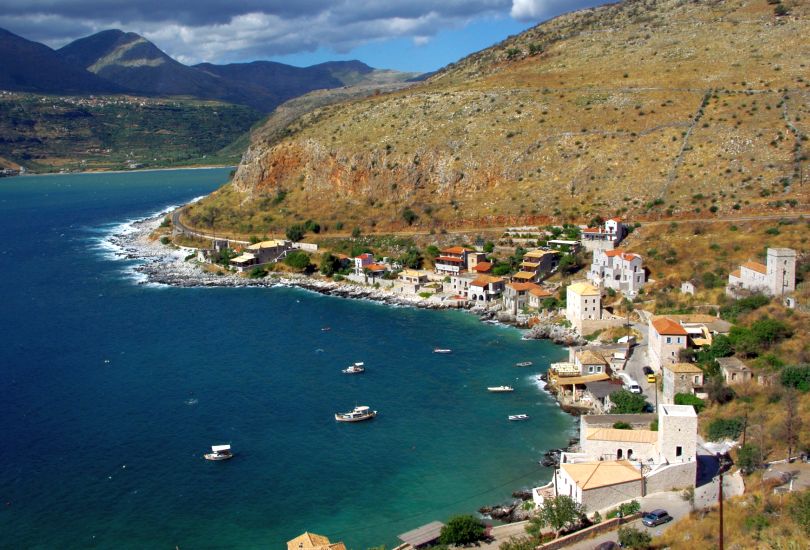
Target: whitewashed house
775, 278
617, 269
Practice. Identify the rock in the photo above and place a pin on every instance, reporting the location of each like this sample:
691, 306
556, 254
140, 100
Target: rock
523, 494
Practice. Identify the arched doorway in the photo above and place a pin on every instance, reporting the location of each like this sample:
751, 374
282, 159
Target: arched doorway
619, 454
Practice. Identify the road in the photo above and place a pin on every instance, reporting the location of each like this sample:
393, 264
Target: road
638, 360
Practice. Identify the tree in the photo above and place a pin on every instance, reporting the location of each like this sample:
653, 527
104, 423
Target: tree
688, 495
312, 226
518, 543
462, 530
512, 53
625, 402
558, 513
630, 537
718, 391
796, 377
412, 258
329, 264
793, 422
489, 247
356, 233
295, 232
748, 458
409, 216
724, 428
297, 260
690, 399
432, 251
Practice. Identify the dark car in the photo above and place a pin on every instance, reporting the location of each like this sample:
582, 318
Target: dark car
648, 371
607, 545
656, 517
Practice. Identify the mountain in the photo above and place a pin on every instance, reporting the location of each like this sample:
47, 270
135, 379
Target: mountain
133, 62
34, 67
643, 109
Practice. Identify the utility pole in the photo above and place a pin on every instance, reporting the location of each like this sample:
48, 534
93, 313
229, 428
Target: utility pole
720, 496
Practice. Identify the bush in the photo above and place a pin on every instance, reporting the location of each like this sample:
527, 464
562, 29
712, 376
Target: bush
257, 273
295, 232
165, 240
462, 530
330, 264
654, 425
630, 537
297, 260
622, 426
312, 226
724, 428
409, 216
800, 510
690, 399
797, 376
625, 402
489, 247
748, 458
743, 305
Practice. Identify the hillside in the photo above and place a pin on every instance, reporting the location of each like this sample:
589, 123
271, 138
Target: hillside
33, 67
647, 108
50, 133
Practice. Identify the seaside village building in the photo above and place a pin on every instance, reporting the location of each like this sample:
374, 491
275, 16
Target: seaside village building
669, 334
776, 278
261, 253
457, 259
606, 237
615, 466
617, 269
536, 265
311, 541
583, 302
682, 378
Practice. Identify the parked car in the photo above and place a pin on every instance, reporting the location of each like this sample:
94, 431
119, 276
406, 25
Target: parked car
633, 388
656, 517
650, 374
607, 545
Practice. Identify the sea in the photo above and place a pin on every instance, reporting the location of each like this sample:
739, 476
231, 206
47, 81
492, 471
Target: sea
112, 389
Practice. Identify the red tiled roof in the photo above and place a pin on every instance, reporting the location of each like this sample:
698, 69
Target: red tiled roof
520, 287
755, 266
540, 292
376, 267
483, 267
665, 325
592, 230
614, 252
484, 280
615, 220
449, 259
454, 250
365, 256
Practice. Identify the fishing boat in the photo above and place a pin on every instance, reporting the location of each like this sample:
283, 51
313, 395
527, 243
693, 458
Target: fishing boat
442, 350
500, 389
524, 364
219, 452
357, 368
518, 417
326, 329
357, 415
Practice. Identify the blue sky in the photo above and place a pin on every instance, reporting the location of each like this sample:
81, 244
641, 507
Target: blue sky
408, 35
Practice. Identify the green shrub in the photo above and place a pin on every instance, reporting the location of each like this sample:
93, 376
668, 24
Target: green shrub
257, 273
630, 537
295, 232
724, 428
165, 240
298, 260
690, 399
622, 426
409, 216
462, 530
796, 376
625, 402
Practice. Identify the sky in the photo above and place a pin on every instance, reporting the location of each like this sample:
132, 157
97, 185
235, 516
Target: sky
406, 35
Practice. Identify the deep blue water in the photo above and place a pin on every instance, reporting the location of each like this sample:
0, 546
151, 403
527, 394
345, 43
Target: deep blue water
110, 391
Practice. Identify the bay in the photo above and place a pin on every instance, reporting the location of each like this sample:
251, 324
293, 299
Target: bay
111, 391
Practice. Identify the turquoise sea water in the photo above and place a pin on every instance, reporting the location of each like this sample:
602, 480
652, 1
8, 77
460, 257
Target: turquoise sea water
110, 392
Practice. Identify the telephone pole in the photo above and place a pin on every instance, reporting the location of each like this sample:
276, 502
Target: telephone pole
720, 496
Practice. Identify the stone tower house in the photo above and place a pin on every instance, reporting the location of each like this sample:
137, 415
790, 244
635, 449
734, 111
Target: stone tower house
781, 265
677, 429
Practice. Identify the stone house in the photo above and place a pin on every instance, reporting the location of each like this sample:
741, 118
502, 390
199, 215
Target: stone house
485, 288
583, 302
311, 541
516, 296
473, 259
412, 281
617, 269
666, 339
537, 296
619, 465
536, 265
775, 278
681, 378
688, 287
459, 284
734, 371
590, 362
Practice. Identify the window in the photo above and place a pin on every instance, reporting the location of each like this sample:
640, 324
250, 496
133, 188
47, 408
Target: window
669, 340
697, 380
619, 454
678, 451
629, 454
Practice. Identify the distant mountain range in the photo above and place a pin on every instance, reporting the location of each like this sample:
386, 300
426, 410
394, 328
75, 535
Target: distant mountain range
114, 61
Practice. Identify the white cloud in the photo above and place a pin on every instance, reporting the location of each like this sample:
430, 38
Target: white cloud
537, 10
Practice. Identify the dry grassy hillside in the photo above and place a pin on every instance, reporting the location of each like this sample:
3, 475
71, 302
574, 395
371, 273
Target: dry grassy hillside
656, 108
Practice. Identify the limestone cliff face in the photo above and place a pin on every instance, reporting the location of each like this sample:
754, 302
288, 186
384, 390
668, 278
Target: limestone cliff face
644, 108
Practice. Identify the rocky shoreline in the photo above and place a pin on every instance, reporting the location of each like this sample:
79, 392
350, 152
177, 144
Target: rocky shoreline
167, 265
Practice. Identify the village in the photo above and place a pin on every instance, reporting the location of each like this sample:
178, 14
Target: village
637, 392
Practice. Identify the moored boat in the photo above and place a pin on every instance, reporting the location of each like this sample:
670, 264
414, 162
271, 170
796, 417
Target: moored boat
500, 389
442, 350
358, 414
356, 368
219, 452
524, 364
518, 417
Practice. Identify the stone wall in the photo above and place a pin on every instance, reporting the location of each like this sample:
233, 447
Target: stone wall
589, 326
604, 497
673, 476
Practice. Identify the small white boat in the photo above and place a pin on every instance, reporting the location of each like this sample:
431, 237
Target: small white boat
219, 452
500, 389
524, 364
442, 350
357, 368
518, 417
357, 415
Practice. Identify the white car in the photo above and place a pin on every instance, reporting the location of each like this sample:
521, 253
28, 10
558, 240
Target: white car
633, 388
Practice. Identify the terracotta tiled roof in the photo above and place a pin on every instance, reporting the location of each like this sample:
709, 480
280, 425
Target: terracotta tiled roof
311, 541
615, 220
683, 368
540, 292
592, 475
736, 273
454, 250
484, 280
665, 325
630, 436
376, 267
449, 259
528, 275
520, 287
365, 256
483, 267
614, 252
755, 266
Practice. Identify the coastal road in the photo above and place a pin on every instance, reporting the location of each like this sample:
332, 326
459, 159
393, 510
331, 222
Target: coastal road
639, 359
